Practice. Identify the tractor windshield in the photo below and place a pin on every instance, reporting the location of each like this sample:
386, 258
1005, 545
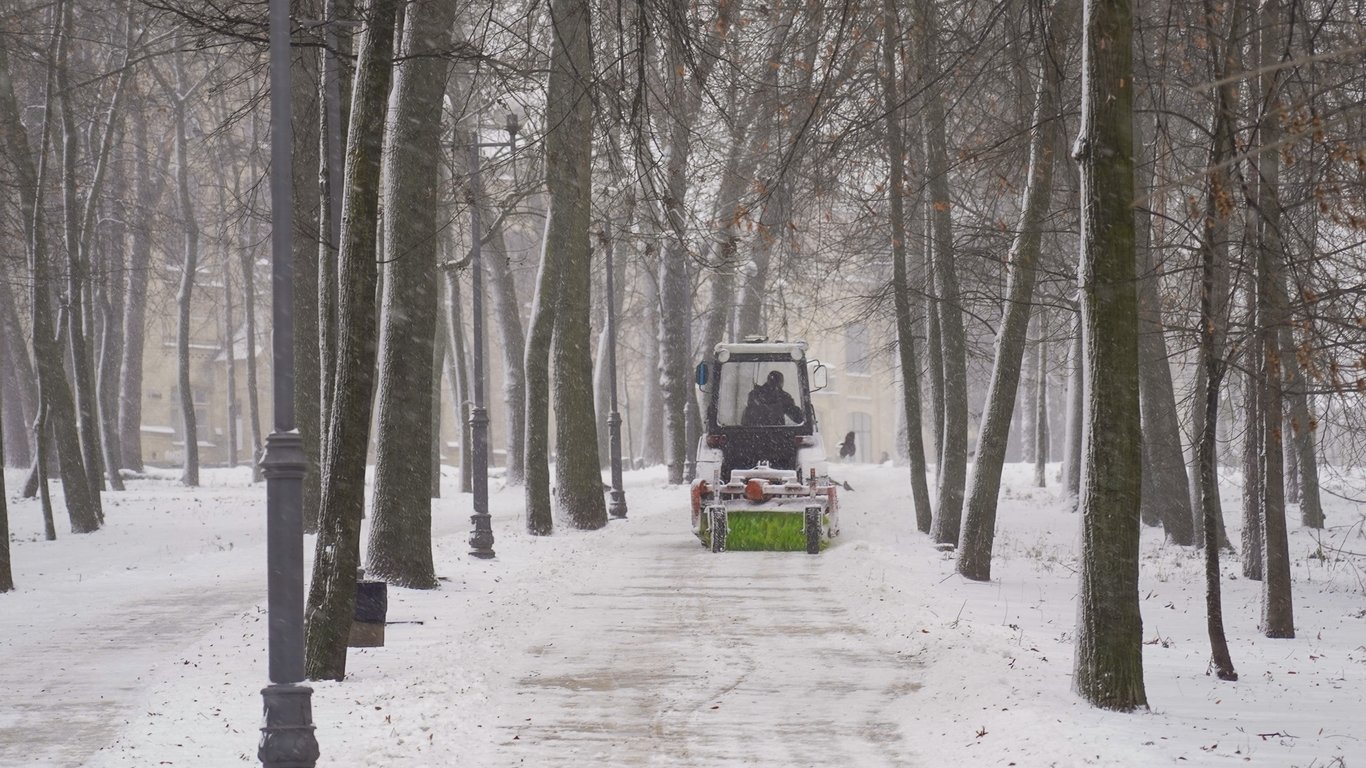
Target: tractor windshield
759, 393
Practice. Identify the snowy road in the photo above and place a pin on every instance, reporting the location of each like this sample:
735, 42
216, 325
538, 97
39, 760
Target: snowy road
101, 618
673, 656
144, 645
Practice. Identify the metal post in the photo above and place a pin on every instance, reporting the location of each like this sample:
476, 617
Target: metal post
481, 537
287, 737
616, 504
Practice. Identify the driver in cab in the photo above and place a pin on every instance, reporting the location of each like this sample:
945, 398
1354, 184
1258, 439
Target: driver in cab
769, 403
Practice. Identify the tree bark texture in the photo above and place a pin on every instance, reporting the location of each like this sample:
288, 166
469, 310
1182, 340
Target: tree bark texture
148, 196
305, 168
1040, 408
540, 518
1277, 612
507, 309
6, 572
1213, 284
1303, 427
1166, 488
189, 265
17, 383
569, 149
79, 340
979, 525
907, 357
57, 409
400, 546
1076, 398
652, 405
1109, 657
332, 593
954, 450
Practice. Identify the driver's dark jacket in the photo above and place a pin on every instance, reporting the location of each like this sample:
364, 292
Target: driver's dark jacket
767, 405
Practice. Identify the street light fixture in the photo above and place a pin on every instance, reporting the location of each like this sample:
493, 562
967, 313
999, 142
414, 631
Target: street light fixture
481, 536
287, 737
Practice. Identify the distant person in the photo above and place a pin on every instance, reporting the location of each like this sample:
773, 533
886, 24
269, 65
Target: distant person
847, 447
769, 403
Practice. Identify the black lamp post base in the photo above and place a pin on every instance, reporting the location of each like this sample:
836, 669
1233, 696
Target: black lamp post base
616, 504
481, 538
287, 738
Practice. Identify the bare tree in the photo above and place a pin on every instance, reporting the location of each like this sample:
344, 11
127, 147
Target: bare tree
332, 593
1109, 657
56, 409
979, 525
400, 548
901, 288
953, 451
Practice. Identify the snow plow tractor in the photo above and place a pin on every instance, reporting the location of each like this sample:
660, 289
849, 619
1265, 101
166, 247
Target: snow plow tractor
762, 481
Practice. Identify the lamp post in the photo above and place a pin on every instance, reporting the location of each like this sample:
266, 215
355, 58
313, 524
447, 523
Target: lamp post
616, 498
481, 536
287, 738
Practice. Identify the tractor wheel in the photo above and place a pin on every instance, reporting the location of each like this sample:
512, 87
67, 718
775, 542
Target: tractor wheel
813, 530
717, 523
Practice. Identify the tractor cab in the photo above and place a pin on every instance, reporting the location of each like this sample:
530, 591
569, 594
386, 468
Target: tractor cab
757, 400
761, 461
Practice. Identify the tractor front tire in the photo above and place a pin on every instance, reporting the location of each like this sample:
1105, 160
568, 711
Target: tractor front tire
716, 522
813, 530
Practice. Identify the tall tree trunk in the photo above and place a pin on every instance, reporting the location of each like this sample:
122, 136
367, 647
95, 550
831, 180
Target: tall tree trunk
685, 89
569, 145
458, 365
979, 526
1166, 489
17, 383
1041, 430
6, 573
652, 407
1214, 249
1109, 656
1076, 398
901, 288
934, 345
246, 255
230, 352
78, 268
507, 308
438, 359
306, 169
1213, 286
148, 195
954, 450
189, 265
1303, 426
1277, 611
332, 593
400, 547
109, 300
540, 519
1029, 389
56, 407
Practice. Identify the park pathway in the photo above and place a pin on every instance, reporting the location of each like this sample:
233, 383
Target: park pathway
669, 655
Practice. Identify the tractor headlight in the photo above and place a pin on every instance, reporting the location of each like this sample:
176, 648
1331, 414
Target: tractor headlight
797, 354
722, 355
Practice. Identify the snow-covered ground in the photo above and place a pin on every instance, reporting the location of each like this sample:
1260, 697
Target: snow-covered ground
144, 644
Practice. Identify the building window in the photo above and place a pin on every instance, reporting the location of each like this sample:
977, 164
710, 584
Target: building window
856, 349
861, 424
